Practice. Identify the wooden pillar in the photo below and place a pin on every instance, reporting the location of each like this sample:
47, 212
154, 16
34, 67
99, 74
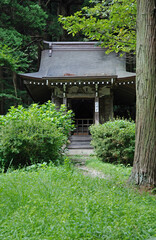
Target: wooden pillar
65, 100
96, 115
52, 96
57, 102
64, 95
106, 108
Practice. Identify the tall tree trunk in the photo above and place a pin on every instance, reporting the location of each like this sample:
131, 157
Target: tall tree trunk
14, 78
144, 167
1, 91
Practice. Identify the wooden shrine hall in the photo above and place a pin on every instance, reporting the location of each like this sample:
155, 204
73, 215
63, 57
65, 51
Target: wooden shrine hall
84, 78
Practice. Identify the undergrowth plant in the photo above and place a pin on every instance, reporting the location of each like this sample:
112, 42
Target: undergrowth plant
34, 134
43, 202
114, 141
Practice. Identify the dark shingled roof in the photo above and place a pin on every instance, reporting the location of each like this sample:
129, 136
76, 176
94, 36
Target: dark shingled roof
66, 60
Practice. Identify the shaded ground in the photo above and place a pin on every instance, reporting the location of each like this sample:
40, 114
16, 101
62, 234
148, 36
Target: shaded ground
92, 172
80, 161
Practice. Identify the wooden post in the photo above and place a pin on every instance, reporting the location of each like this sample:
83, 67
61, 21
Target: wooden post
57, 103
64, 95
52, 96
96, 110
65, 101
96, 115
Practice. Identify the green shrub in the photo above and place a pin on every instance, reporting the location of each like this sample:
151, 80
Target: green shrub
32, 135
114, 141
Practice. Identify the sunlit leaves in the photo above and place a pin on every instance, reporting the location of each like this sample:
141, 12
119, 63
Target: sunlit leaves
113, 23
34, 134
114, 141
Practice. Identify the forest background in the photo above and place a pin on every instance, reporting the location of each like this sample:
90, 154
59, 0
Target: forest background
25, 24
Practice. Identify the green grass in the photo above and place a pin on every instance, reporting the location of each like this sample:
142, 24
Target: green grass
116, 173
60, 203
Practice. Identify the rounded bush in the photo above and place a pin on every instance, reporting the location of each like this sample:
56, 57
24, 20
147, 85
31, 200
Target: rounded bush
33, 135
114, 141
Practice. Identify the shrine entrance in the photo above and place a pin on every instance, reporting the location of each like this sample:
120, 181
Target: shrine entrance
84, 115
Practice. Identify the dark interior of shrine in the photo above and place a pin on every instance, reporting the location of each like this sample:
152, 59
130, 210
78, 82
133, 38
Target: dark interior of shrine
125, 102
83, 108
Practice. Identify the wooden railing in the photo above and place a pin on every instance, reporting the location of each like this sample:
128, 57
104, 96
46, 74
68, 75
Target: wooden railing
82, 126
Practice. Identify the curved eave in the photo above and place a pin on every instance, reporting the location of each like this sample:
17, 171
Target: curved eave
76, 78
116, 78
35, 77
125, 76
31, 76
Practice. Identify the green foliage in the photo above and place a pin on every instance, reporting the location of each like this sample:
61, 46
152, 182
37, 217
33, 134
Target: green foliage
6, 57
54, 29
19, 22
8, 95
44, 202
114, 141
21, 27
32, 135
112, 23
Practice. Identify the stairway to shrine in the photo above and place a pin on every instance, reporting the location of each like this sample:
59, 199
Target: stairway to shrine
80, 145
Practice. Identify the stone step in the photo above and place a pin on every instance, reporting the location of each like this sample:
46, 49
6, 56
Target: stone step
87, 146
84, 152
80, 137
80, 147
80, 143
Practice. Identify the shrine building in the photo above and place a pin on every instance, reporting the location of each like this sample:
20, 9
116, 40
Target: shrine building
84, 78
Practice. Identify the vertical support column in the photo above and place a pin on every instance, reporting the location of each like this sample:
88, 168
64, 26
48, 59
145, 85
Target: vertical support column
96, 110
108, 107
57, 103
52, 96
65, 101
64, 95
96, 115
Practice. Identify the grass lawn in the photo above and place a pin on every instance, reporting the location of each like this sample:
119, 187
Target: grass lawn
61, 203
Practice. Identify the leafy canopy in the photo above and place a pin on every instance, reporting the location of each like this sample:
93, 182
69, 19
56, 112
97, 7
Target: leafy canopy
111, 22
20, 24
